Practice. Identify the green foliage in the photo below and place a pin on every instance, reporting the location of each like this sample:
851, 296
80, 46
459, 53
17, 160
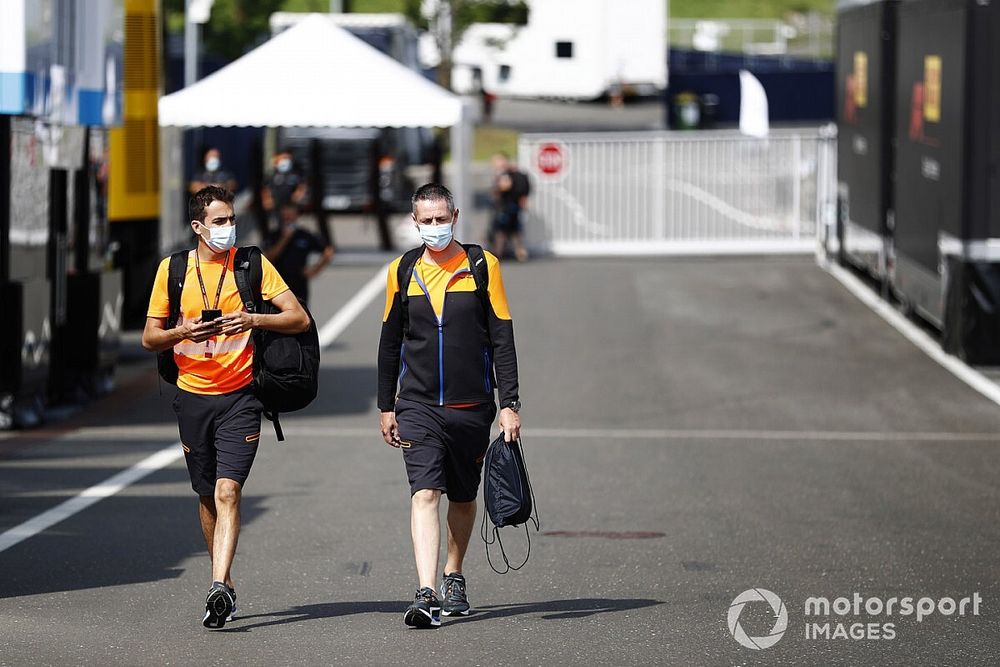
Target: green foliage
746, 9
236, 26
321, 6
380, 6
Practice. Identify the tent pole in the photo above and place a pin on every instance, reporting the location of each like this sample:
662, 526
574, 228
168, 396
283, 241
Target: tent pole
461, 168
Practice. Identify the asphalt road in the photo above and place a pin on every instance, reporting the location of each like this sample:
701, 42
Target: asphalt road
694, 429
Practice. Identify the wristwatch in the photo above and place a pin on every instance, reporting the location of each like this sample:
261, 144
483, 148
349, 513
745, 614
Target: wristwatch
514, 405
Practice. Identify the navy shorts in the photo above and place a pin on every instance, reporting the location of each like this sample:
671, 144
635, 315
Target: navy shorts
443, 448
219, 435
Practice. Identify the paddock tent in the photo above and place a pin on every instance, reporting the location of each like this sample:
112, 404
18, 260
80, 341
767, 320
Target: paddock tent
316, 74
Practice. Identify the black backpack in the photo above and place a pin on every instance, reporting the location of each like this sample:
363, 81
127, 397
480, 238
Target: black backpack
477, 264
176, 272
507, 496
285, 366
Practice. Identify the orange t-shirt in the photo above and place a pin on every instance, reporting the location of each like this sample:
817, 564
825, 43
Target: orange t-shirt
224, 363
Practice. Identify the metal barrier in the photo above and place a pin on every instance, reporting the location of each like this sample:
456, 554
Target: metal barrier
708, 192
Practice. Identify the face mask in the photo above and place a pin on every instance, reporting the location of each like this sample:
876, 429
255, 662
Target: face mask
284, 166
437, 237
220, 238
212, 164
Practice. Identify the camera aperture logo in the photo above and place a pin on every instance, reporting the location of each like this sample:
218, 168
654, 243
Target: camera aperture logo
777, 607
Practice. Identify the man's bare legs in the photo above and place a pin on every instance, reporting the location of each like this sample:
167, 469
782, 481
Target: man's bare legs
461, 520
220, 526
425, 529
499, 243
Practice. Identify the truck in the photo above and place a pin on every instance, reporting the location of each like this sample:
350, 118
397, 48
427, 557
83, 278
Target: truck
569, 49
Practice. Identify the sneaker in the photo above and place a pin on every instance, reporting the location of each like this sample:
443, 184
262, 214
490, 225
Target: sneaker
425, 612
232, 614
456, 601
219, 604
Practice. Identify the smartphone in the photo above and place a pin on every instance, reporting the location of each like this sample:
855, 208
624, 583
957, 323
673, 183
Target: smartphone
210, 314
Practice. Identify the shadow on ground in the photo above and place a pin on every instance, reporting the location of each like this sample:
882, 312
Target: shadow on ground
85, 551
552, 610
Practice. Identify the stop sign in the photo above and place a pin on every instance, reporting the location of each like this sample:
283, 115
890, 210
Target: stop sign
551, 159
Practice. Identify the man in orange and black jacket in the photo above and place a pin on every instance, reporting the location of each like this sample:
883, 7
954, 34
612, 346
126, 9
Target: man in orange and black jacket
447, 352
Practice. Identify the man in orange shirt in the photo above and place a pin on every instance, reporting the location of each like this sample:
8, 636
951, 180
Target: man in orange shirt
448, 349
217, 413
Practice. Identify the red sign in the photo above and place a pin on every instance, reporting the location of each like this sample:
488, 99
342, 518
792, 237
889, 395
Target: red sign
551, 159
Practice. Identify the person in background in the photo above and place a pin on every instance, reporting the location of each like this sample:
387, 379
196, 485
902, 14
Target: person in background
213, 173
510, 191
290, 247
284, 186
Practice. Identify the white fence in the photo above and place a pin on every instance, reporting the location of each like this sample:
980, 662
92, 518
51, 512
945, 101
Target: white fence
709, 192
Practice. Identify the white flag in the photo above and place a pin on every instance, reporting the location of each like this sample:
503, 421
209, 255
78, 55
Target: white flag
753, 106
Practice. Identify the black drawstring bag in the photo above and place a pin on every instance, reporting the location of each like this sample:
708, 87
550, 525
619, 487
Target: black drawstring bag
507, 496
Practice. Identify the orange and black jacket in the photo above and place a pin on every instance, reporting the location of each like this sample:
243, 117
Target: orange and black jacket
458, 358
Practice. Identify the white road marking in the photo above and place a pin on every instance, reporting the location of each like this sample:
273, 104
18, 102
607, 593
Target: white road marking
161, 459
350, 310
85, 499
913, 333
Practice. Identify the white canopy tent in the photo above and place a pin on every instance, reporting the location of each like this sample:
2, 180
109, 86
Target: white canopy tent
316, 74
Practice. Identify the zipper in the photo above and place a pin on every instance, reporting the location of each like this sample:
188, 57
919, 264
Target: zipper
486, 370
440, 321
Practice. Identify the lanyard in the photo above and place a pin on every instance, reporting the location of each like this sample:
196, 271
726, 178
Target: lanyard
222, 278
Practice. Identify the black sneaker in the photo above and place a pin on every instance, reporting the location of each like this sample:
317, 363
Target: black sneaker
425, 612
456, 601
219, 604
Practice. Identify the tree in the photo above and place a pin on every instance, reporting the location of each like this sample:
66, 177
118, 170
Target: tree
447, 21
237, 26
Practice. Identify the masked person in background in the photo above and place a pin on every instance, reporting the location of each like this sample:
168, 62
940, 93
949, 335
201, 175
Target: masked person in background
441, 415
290, 249
213, 173
284, 187
217, 413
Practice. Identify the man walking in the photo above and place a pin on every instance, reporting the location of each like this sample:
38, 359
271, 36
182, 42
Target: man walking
217, 413
511, 188
455, 343
290, 248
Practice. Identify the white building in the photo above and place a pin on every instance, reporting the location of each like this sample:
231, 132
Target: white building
576, 49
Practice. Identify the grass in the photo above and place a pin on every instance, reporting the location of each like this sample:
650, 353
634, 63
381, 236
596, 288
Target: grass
727, 9
488, 140
746, 9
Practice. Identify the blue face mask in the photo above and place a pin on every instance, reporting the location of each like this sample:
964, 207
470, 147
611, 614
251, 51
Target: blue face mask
437, 237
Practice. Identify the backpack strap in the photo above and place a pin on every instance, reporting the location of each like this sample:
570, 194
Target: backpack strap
480, 273
176, 273
403, 274
249, 274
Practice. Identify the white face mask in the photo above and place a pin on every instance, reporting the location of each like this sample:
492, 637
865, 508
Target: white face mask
220, 238
437, 237
212, 163
284, 166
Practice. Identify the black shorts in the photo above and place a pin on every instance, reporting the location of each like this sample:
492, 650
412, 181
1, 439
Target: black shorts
443, 448
508, 219
219, 435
